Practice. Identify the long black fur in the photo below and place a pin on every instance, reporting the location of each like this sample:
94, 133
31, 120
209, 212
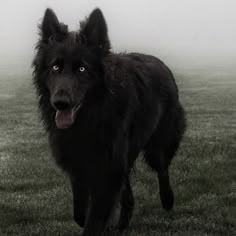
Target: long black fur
130, 104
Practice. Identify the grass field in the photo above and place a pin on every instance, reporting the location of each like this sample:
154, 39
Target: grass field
35, 196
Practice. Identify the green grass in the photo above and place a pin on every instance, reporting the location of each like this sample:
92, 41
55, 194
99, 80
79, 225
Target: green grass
35, 196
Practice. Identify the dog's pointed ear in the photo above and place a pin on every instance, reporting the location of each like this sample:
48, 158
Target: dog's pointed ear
50, 24
95, 32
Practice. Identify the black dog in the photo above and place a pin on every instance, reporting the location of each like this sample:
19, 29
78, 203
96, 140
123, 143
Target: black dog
101, 110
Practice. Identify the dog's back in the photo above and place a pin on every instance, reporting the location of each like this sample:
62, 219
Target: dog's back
148, 86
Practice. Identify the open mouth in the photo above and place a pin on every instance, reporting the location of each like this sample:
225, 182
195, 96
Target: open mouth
66, 118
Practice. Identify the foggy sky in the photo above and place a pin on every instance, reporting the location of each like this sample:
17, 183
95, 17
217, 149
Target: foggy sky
178, 31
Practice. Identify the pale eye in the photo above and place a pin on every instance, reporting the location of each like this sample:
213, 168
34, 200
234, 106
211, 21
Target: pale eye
55, 68
81, 69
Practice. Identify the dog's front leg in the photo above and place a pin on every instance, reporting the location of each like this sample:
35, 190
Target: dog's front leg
102, 204
107, 189
80, 201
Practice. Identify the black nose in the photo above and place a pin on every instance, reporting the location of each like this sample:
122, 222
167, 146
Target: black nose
61, 102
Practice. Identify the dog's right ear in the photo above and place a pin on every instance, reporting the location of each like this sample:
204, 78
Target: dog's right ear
50, 25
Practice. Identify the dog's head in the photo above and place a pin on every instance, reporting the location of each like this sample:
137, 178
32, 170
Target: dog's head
68, 65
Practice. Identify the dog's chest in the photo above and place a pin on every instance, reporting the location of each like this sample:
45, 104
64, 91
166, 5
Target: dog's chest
84, 147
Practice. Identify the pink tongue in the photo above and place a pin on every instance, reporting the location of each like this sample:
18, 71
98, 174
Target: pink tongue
64, 119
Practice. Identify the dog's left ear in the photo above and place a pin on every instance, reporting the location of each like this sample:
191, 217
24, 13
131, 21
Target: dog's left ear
95, 33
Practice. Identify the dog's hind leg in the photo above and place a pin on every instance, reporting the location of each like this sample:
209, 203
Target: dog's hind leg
127, 206
80, 201
161, 149
159, 152
158, 161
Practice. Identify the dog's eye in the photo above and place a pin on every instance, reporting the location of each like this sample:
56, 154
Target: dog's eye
81, 69
55, 68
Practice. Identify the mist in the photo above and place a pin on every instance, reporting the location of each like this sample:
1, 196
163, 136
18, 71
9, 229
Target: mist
185, 33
